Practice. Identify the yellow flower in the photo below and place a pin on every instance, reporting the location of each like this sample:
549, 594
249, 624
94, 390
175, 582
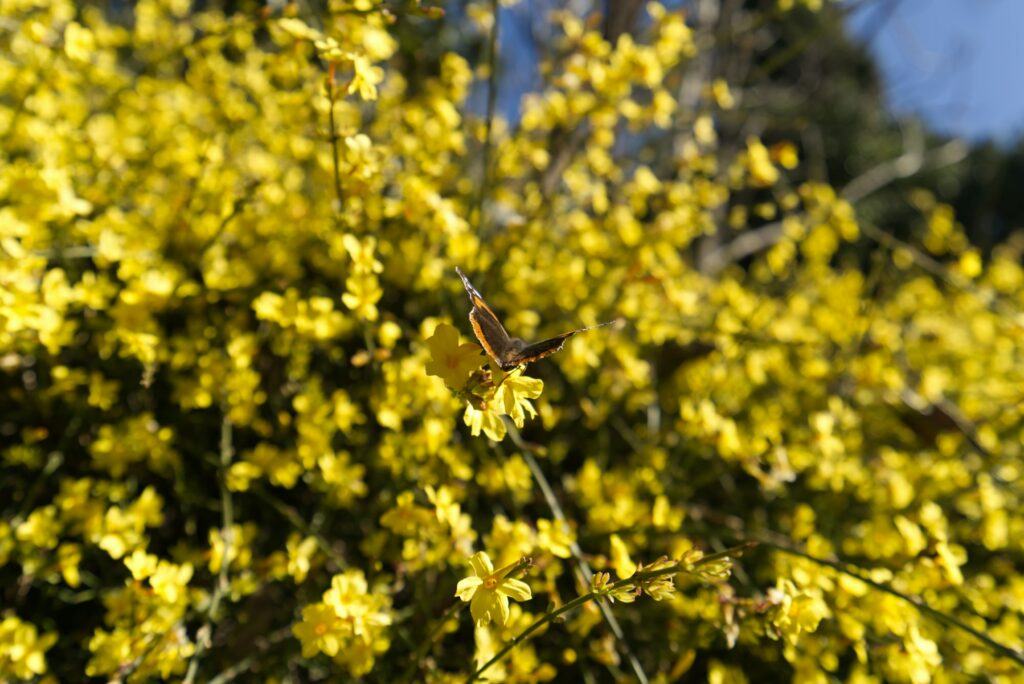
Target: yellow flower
40, 529
349, 624
299, 29
361, 251
170, 581
362, 292
300, 554
759, 164
22, 649
723, 97
555, 536
513, 396
488, 590
319, 630
660, 587
449, 360
794, 610
600, 583
79, 42
489, 422
141, 564
785, 154
365, 78
624, 566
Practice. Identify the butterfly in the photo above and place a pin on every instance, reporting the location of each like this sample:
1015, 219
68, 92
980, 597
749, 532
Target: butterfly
507, 351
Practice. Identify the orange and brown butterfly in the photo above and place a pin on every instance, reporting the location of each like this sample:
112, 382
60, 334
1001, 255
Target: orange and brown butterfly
507, 351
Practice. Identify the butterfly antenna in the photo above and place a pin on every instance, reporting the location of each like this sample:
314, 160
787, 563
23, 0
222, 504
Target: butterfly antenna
600, 325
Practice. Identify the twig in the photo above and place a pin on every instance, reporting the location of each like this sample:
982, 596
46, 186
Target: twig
236, 209
334, 138
748, 243
203, 636
454, 609
907, 164
780, 542
577, 553
948, 620
936, 268
592, 595
243, 665
298, 523
751, 242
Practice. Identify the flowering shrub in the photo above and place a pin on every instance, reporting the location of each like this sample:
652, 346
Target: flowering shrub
246, 432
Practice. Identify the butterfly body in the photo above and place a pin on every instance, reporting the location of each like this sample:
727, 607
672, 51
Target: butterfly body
507, 351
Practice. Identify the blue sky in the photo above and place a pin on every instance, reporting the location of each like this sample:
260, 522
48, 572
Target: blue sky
957, 63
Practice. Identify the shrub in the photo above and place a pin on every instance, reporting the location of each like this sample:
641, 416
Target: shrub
247, 429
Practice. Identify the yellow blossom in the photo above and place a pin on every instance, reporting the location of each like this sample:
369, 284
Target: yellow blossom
23, 649
488, 590
451, 361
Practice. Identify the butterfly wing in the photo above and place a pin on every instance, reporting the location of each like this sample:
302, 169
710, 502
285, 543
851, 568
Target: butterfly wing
538, 350
488, 328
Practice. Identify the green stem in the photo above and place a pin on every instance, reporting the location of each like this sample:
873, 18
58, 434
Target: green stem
414, 666
577, 554
780, 543
204, 635
334, 142
242, 666
592, 595
299, 523
948, 620
236, 209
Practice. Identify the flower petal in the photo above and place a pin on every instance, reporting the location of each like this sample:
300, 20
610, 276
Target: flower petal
467, 587
502, 606
624, 566
482, 607
481, 563
516, 589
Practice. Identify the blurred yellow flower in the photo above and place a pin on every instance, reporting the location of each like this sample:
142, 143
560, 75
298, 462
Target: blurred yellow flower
22, 649
451, 361
759, 164
79, 42
624, 566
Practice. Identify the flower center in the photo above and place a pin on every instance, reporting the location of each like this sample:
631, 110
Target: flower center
490, 583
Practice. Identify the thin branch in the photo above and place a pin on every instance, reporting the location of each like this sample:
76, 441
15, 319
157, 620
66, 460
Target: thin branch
424, 647
753, 241
782, 543
906, 165
236, 209
937, 269
748, 243
331, 94
947, 620
593, 595
577, 553
299, 523
203, 636
242, 666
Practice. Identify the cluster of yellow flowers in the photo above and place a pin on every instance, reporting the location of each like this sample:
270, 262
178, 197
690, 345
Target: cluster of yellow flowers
349, 625
241, 431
